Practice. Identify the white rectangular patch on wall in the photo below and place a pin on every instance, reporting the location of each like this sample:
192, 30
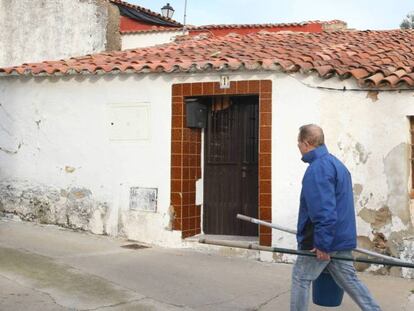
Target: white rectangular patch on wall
199, 191
224, 82
143, 199
129, 122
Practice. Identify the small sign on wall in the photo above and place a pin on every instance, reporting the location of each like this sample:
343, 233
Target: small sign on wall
224, 82
128, 122
143, 199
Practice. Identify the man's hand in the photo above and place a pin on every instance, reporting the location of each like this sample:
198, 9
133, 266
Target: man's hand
320, 254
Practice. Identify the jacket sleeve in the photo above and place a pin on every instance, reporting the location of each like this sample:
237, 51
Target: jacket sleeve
319, 193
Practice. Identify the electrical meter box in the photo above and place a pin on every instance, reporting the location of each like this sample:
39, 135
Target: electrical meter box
196, 113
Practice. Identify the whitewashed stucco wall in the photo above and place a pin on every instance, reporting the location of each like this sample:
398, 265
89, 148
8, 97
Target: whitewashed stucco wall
369, 132
34, 31
136, 40
55, 133
60, 123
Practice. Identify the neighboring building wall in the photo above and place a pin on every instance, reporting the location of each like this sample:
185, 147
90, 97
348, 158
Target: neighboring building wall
130, 25
222, 30
144, 39
32, 31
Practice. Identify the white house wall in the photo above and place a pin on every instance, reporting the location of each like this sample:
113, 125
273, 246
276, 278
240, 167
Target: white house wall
136, 40
370, 133
32, 31
58, 164
55, 146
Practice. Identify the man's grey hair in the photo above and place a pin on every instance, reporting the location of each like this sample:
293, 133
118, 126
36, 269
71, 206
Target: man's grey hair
312, 134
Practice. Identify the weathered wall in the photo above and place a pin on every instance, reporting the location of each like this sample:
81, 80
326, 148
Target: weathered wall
136, 40
61, 161
55, 137
71, 207
370, 133
32, 31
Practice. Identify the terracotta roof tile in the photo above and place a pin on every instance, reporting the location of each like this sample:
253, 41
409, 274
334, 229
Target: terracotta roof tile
343, 53
359, 73
408, 80
325, 70
152, 29
306, 66
375, 79
390, 80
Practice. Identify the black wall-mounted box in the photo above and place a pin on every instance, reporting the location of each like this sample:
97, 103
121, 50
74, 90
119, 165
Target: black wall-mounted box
196, 113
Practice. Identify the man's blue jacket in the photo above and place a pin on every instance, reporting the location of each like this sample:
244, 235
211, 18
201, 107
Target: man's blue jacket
326, 214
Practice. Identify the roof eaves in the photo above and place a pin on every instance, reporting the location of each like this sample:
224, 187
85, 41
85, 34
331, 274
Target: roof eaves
132, 32
324, 54
145, 10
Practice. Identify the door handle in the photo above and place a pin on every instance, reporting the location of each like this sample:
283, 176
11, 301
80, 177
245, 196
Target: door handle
244, 170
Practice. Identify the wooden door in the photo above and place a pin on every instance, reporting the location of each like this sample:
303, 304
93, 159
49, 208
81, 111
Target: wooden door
231, 166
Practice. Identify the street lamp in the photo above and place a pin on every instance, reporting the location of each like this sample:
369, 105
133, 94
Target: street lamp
167, 11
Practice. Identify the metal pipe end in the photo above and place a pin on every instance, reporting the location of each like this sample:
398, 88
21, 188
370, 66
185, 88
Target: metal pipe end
244, 217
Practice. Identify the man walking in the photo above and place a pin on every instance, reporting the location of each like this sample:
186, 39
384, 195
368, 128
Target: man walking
326, 223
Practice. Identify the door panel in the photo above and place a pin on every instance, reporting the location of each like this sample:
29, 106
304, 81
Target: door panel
231, 166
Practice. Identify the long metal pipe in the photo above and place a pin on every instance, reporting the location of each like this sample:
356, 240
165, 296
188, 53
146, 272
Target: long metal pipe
302, 253
274, 226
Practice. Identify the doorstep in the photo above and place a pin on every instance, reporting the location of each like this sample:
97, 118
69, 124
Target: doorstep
192, 242
237, 238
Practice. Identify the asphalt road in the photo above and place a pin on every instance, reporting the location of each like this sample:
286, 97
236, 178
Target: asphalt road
49, 268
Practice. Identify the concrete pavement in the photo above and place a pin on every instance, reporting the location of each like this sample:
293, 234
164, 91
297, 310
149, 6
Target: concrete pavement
50, 268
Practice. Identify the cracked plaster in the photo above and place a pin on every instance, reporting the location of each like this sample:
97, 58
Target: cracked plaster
73, 208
